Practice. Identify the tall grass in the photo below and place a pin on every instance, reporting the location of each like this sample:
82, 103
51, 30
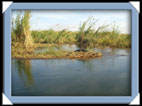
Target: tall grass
85, 31
21, 29
26, 29
105, 35
88, 35
17, 29
51, 36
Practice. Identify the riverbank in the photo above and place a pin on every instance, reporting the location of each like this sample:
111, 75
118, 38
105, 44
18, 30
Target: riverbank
18, 51
59, 55
67, 56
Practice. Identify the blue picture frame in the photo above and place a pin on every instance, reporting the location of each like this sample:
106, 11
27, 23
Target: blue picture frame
71, 99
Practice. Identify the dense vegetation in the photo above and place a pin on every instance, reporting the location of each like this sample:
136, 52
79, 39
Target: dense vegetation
111, 39
88, 36
21, 30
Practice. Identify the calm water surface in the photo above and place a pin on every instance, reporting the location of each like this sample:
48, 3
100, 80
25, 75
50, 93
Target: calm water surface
106, 76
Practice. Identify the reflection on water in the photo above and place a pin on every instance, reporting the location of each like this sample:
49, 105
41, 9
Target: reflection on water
106, 76
24, 71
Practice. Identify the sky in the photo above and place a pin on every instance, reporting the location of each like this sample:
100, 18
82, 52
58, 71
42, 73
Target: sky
71, 19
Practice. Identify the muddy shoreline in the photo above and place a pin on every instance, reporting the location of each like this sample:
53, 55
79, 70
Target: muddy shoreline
36, 58
72, 55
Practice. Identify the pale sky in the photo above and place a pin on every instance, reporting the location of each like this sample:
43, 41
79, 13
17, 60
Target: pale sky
71, 19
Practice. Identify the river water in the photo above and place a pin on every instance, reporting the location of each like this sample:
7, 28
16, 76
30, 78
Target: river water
109, 75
